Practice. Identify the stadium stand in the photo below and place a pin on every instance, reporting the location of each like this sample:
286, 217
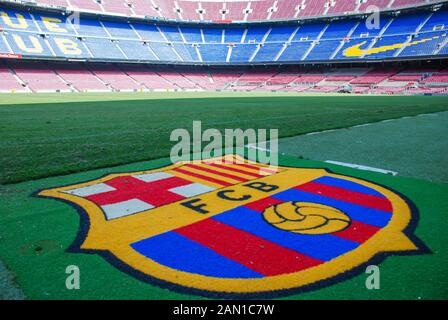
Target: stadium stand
437, 78
80, 79
38, 78
149, 79
52, 76
9, 82
419, 34
237, 10
372, 77
107, 53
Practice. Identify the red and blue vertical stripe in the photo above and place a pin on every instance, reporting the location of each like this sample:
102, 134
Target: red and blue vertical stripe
239, 243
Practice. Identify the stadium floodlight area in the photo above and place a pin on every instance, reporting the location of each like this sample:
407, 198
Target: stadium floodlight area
39, 34
230, 10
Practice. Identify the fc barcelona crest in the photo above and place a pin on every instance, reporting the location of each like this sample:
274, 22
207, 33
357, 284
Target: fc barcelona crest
227, 226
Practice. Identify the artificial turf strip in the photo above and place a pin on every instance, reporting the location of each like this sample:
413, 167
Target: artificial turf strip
414, 147
48, 139
36, 98
29, 223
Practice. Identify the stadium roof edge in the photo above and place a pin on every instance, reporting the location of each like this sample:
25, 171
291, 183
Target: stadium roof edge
31, 6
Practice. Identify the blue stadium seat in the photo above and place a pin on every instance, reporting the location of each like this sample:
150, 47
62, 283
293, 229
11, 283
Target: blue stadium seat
365, 29
438, 19
28, 43
432, 42
191, 34
385, 42
268, 52
66, 46
214, 52
54, 23
3, 47
404, 24
12, 20
256, 34
41, 34
120, 30
137, 50
103, 48
309, 31
339, 29
242, 52
171, 33
444, 50
280, 34
164, 51
323, 50
353, 42
212, 35
149, 32
91, 28
233, 35
187, 52
295, 51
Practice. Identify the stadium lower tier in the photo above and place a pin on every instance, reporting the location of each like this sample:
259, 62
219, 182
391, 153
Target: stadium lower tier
73, 77
416, 35
233, 10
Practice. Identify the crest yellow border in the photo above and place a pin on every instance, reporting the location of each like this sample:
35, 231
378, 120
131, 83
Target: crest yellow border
389, 239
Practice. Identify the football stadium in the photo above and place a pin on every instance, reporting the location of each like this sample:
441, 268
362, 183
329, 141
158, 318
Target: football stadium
223, 149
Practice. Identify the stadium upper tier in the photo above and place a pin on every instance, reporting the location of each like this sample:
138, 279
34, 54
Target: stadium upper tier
419, 34
230, 10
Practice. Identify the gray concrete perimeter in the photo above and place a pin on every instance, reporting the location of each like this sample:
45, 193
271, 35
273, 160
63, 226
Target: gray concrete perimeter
412, 146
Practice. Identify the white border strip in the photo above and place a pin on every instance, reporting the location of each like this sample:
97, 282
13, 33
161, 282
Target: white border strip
361, 167
434, 114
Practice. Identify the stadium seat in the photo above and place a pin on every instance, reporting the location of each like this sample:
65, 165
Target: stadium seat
115, 78
242, 52
373, 77
80, 78
213, 10
9, 82
149, 79
47, 35
40, 78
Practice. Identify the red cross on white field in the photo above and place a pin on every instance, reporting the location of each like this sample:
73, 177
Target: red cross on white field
155, 193
126, 195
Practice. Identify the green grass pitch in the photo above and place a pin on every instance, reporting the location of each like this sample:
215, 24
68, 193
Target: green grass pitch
51, 134
46, 136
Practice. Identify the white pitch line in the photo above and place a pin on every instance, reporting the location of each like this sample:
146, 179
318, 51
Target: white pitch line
325, 131
362, 125
428, 115
371, 123
362, 167
251, 146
